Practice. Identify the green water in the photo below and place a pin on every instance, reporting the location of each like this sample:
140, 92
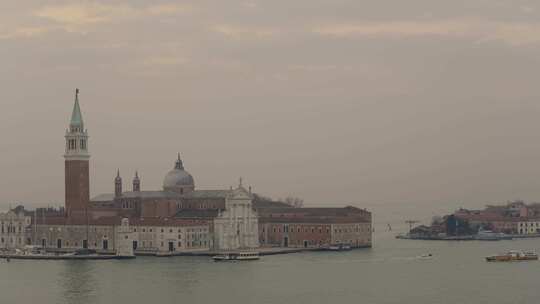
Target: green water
388, 273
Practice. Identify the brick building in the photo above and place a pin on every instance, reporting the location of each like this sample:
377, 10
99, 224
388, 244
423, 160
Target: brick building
314, 227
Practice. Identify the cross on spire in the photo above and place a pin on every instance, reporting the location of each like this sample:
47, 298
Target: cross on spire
179, 164
76, 116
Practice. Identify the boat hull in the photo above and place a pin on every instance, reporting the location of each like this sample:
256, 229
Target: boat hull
224, 259
512, 257
237, 256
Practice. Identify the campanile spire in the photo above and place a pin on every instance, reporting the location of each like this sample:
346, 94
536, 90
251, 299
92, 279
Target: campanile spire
76, 116
77, 181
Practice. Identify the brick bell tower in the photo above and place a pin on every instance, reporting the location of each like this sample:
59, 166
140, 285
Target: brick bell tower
76, 165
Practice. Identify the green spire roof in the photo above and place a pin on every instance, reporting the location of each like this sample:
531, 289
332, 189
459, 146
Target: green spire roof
76, 116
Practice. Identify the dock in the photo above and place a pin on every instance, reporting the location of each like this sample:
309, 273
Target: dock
64, 257
262, 251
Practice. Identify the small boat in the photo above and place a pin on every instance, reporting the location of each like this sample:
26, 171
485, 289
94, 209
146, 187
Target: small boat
425, 256
488, 235
513, 255
339, 247
164, 254
237, 256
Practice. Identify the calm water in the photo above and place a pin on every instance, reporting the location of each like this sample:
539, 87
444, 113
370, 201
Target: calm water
388, 273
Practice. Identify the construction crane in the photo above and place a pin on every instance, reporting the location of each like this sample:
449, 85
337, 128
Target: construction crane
411, 223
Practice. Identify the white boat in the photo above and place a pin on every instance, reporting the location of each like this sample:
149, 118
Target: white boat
339, 247
237, 256
488, 235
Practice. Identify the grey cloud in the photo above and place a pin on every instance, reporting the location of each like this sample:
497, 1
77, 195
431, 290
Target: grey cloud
333, 101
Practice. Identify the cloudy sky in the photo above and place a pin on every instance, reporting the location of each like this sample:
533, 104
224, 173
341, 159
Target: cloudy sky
334, 101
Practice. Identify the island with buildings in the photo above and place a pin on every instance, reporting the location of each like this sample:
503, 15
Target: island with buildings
177, 219
515, 219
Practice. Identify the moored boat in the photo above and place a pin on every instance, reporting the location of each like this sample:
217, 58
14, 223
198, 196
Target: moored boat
513, 255
237, 256
36, 253
338, 247
487, 235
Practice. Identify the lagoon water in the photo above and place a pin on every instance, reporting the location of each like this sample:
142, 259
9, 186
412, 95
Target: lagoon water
388, 273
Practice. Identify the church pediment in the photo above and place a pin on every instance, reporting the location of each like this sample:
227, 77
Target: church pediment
240, 193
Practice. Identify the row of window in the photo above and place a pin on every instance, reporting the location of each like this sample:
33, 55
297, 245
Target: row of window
532, 224
72, 144
60, 243
80, 228
189, 244
529, 230
11, 240
171, 230
298, 229
11, 228
319, 229
349, 230
195, 206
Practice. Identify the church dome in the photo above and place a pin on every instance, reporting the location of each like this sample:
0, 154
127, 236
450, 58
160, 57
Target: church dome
178, 179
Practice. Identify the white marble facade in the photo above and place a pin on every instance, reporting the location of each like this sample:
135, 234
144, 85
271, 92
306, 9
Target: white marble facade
237, 226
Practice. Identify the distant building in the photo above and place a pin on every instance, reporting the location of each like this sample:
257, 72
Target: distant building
512, 218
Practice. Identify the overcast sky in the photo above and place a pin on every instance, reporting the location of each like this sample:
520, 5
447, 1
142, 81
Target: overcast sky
333, 101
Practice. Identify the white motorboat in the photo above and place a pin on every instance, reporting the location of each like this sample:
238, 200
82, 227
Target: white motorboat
339, 247
488, 235
237, 256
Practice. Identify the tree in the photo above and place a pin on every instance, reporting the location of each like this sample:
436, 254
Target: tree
437, 220
294, 202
